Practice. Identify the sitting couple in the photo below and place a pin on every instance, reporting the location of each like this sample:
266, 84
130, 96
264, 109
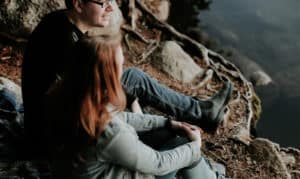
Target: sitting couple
84, 124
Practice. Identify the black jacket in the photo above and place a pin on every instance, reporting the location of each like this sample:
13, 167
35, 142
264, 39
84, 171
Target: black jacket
46, 58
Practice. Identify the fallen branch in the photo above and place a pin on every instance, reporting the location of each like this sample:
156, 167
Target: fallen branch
127, 42
13, 38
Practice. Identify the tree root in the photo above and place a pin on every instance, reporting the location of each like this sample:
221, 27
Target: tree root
134, 32
208, 77
144, 56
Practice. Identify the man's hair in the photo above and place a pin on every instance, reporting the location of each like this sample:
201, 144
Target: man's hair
69, 4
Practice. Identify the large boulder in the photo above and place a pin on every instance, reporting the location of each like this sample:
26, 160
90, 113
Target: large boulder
20, 17
173, 60
11, 92
268, 155
163, 10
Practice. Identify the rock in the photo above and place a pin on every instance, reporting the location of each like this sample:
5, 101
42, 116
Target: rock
291, 157
116, 20
251, 70
171, 59
11, 119
268, 154
11, 92
163, 10
19, 17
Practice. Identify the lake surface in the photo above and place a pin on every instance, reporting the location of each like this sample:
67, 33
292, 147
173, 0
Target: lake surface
267, 32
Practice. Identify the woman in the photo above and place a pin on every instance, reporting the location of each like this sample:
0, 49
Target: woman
90, 135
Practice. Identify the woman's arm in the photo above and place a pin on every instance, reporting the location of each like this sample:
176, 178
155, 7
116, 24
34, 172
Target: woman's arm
143, 122
126, 150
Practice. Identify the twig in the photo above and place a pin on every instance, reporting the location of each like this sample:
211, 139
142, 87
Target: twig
151, 48
8, 111
216, 157
127, 42
13, 38
132, 13
208, 76
134, 32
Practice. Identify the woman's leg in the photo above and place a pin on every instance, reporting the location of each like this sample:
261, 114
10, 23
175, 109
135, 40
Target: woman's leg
201, 170
174, 142
198, 170
157, 138
167, 176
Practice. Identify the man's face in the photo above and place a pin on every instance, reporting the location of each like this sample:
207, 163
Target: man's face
96, 13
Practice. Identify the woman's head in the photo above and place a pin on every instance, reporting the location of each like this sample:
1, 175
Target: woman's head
96, 77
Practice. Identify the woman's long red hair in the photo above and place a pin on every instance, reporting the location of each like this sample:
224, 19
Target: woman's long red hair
104, 86
92, 83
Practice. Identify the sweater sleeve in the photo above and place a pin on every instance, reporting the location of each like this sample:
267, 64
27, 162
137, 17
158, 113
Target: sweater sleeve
143, 122
126, 150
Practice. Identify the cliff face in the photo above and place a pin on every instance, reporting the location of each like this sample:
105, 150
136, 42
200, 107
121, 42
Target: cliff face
192, 69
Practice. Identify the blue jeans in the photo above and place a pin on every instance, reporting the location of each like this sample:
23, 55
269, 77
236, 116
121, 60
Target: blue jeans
149, 91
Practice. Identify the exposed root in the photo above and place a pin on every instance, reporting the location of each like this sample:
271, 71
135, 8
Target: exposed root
134, 32
208, 76
133, 14
144, 56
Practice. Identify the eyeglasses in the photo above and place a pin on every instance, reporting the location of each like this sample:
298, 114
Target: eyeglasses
103, 4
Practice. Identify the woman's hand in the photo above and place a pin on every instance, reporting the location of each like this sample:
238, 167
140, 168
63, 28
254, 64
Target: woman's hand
193, 132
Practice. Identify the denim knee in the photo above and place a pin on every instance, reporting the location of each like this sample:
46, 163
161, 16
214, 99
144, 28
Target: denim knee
133, 76
132, 72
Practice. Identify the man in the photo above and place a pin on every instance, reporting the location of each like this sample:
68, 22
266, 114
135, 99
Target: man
47, 57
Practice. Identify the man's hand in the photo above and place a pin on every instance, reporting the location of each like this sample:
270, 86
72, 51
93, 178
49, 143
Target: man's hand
135, 107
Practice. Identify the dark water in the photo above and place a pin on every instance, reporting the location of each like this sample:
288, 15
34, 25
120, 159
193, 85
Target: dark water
267, 31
